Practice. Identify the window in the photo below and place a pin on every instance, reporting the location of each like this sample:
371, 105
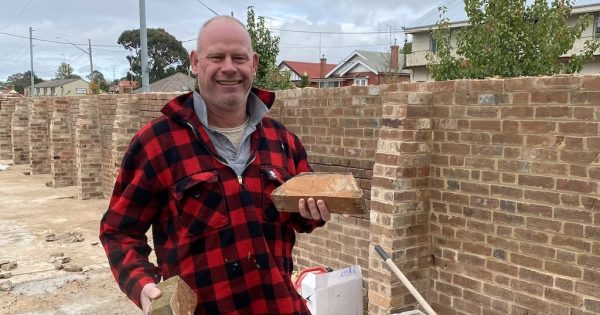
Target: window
329, 84
81, 91
432, 43
597, 27
360, 81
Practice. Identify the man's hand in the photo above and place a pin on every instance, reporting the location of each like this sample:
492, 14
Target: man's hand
316, 210
149, 293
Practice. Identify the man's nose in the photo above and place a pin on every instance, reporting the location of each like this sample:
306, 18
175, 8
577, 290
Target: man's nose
228, 66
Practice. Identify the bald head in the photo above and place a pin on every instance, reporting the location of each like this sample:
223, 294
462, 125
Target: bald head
218, 21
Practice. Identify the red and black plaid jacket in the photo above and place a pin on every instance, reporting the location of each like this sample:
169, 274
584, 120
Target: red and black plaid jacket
219, 233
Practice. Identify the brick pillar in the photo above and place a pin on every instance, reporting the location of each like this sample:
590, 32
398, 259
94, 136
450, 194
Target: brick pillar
108, 108
127, 123
62, 149
88, 150
39, 138
20, 131
400, 202
6, 111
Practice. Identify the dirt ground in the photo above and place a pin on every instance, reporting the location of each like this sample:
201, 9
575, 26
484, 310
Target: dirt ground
29, 213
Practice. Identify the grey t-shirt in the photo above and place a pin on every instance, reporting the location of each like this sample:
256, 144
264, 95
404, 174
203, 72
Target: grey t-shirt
236, 157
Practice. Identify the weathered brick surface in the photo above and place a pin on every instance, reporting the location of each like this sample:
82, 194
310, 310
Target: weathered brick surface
7, 107
20, 131
62, 149
88, 150
39, 137
484, 192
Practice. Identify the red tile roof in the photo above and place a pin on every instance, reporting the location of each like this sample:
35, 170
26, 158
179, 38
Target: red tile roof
310, 68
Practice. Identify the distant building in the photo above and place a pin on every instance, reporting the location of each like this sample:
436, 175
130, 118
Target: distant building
178, 82
313, 70
61, 87
124, 86
423, 43
364, 67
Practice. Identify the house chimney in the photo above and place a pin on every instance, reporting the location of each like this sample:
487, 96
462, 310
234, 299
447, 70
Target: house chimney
323, 67
394, 66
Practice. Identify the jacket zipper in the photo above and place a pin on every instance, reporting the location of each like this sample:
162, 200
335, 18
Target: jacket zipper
239, 177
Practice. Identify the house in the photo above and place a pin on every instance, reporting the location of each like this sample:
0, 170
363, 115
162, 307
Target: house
313, 70
60, 87
178, 82
423, 43
363, 67
9, 91
124, 86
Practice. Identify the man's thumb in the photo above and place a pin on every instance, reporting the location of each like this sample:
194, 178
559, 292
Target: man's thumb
154, 292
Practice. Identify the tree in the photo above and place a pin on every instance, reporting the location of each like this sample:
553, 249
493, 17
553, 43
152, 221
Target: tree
99, 83
22, 80
267, 48
166, 55
304, 80
65, 71
510, 39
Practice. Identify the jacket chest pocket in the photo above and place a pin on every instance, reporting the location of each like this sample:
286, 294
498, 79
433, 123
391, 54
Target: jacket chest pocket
201, 206
272, 177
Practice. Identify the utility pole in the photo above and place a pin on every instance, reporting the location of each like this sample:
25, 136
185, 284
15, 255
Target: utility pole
89, 52
91, 63
31, 59
144, 48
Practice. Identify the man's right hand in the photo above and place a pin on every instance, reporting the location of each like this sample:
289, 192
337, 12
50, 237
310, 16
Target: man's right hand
149, 293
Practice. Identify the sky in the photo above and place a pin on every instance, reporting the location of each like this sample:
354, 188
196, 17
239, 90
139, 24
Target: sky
307, 29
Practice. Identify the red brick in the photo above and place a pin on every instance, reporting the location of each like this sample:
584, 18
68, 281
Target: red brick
592, 305
578, 128
573, 215
516, 112
549, 97
472, 260
538, 127
533, 209
576, 186
536, 181
563, 269
486, 125
553, 112
563, 297
531, 236
542, 196
572, 243
507, 139
531, 288
535, 276
526, 261
496, 291
507, 191
578, 157
538, 251
503, 268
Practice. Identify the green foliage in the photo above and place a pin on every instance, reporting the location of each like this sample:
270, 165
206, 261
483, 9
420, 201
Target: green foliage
407, 48
22, 80
166, 55
65, 71
98, 84
304, 81
267, 48
510, 39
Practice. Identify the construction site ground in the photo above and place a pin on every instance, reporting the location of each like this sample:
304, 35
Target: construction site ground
38, 222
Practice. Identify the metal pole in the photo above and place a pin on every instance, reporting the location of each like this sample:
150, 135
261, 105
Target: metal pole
144, 48
91, 64
404, 280
31, 59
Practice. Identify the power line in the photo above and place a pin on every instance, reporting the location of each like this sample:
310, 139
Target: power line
18, 15
211, 10
342, 46
58, 42
330, 32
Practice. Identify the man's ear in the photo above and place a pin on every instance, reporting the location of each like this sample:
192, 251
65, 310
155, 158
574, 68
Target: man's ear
193, 61
254, 63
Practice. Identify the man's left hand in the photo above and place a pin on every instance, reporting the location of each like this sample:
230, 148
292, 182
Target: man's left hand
311, 209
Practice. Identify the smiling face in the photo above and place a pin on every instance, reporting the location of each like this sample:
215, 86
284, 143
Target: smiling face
225, 65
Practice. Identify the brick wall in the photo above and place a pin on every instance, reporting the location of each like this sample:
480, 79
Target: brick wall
515, 179
7, 107
484, 192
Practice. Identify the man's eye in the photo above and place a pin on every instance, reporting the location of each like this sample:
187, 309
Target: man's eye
214, 58
240, 59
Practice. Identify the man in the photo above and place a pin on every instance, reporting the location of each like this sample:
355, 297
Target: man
201, 175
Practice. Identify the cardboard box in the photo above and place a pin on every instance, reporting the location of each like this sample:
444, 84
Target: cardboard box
340, 191
338, 292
